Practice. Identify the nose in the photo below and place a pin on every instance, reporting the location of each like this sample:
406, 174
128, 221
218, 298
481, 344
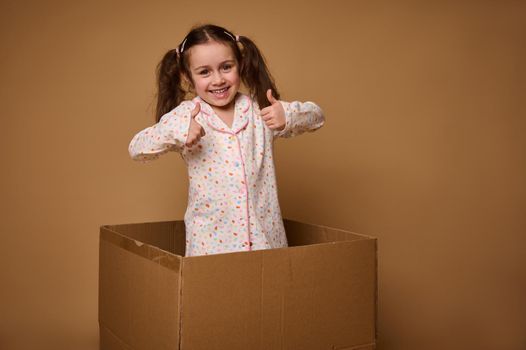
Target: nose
218, 78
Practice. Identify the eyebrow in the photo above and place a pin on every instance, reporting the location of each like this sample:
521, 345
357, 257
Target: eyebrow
227, 61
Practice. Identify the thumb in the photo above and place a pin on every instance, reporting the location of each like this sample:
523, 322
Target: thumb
270, 97
196, 110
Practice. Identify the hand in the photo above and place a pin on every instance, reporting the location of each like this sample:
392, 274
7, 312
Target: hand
273, 115
196, 131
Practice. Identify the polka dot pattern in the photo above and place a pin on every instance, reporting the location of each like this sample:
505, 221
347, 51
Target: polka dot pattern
232, 196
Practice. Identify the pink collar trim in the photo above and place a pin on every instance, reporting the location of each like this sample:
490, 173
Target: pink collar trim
242, 106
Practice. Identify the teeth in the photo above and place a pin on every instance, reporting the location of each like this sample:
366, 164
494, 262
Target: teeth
219, 91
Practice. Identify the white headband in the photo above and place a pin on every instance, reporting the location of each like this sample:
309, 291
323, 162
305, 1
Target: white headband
182, 47
230, 35
236, 38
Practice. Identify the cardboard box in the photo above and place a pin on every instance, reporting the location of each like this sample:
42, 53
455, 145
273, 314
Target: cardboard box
319, 293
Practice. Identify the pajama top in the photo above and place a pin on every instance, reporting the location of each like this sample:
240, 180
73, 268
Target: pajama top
232, 196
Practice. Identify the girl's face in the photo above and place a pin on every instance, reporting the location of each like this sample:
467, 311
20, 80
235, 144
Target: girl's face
215, 74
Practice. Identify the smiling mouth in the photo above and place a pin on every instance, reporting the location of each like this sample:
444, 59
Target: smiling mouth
219, 91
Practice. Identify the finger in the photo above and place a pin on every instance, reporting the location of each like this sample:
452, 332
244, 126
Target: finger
270, 97
192, 139
266, 110
267, 117
199, 130
196, 110
269, 123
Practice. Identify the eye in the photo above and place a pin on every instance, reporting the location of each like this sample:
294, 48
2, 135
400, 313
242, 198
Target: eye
227, 67
203, 72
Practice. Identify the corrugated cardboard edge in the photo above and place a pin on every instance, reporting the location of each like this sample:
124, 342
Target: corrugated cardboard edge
370, 346
162, 257
376, 289
181, 285
293, 221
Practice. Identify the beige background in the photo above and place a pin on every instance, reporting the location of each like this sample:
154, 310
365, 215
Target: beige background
423, 147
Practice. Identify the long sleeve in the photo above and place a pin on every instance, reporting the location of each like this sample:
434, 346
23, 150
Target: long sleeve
300, 117
169, 134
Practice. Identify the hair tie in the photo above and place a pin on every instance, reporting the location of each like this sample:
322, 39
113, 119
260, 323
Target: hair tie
237, 38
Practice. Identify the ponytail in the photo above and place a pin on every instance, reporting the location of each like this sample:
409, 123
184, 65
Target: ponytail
255, 73
169, 90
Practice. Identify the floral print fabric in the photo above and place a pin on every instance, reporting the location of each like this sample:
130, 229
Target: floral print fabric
232, 199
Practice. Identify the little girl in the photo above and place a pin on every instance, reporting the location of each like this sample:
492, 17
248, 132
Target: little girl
225, 138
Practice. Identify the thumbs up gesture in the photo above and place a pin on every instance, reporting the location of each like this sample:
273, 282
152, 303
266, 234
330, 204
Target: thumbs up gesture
195, 131
273, 115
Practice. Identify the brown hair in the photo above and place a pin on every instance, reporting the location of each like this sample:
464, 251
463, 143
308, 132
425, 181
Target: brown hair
174, 65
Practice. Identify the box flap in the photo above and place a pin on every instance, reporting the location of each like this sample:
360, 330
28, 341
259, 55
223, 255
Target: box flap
300, 233
165, 235
139, 288
319, 296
